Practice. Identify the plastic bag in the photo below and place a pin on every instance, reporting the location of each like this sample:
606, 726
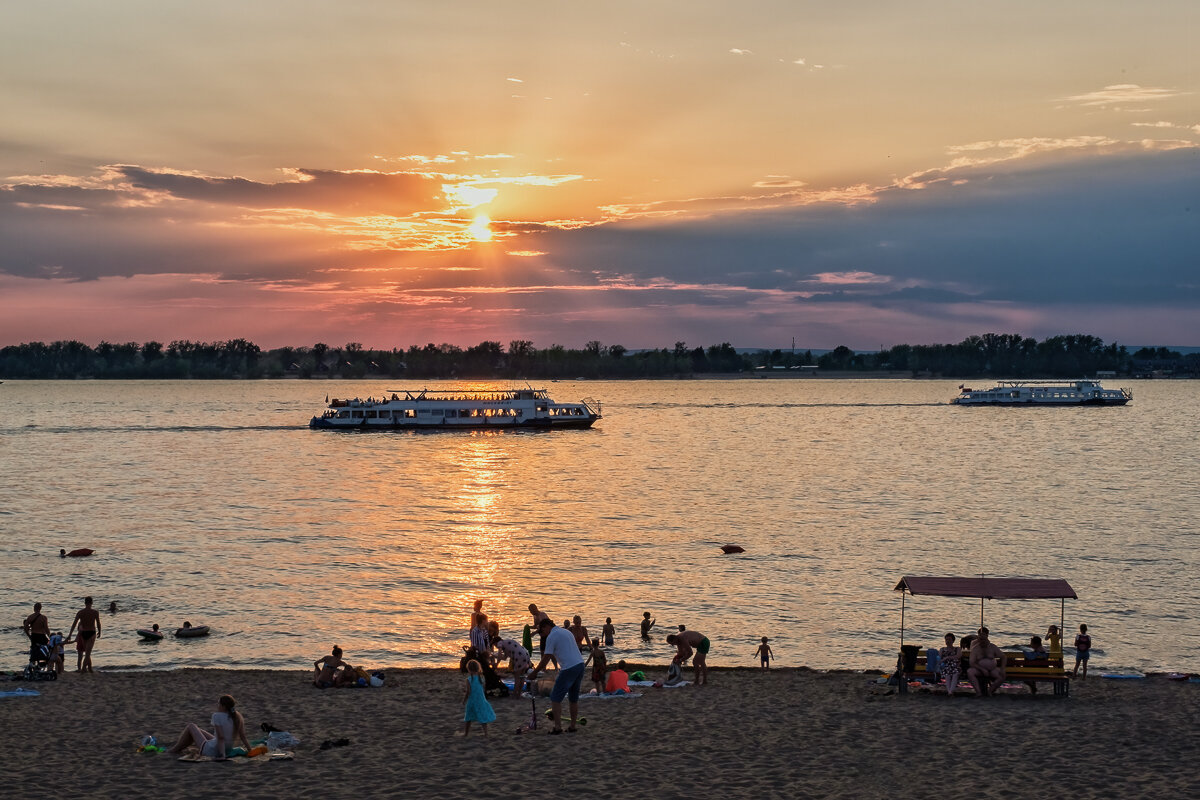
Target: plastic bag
277, 740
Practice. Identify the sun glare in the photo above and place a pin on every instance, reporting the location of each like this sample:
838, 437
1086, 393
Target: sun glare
479, 229
465, 195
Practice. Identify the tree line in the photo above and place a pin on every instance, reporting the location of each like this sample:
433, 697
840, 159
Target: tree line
999, 355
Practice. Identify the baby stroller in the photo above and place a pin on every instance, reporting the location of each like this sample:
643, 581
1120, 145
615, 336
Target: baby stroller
491, 681
40, 667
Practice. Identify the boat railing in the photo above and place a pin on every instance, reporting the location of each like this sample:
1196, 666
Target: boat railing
592, 405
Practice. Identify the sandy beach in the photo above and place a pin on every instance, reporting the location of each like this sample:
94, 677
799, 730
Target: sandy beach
784, 733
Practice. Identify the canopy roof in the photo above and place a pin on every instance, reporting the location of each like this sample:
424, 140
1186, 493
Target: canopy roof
990, 588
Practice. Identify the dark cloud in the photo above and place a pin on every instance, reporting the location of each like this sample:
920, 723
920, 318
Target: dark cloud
1110, 229
355, 193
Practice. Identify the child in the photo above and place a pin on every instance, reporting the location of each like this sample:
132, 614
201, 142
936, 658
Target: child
57, 651
1083, 651
476, 708
1054, 639
609, 632
764, 653
1036, 651
598, 661
647, 624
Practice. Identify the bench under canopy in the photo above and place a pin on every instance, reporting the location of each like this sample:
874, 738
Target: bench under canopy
985, 588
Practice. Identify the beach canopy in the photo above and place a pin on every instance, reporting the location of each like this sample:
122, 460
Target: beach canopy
990, 588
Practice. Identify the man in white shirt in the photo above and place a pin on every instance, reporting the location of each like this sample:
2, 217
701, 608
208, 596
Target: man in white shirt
560, 644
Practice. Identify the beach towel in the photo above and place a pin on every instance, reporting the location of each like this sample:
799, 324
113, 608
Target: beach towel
20, 693
609, 695
665, 685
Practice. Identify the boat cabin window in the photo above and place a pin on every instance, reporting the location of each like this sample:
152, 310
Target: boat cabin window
356, 414
437, 412
451, 412
343, 414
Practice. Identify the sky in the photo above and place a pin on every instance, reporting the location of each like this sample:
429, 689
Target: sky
638, 173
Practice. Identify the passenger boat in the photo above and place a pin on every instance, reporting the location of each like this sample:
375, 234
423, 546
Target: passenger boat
429, 409
1084, 392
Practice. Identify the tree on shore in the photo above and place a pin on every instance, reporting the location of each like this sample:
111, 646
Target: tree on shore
994, 355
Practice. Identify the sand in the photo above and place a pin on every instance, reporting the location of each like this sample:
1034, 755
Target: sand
784, 733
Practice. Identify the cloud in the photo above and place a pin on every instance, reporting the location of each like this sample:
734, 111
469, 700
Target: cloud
1122, 94
1007, 230
351, 192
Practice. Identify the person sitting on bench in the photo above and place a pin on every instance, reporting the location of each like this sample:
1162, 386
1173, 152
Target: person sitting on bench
988, 664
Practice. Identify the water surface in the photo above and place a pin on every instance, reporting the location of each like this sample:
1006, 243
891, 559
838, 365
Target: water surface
213, 502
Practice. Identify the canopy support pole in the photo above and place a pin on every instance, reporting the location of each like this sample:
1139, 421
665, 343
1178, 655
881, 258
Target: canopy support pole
902, 594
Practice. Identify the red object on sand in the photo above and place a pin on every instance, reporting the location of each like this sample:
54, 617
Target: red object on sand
82, 551
732, 548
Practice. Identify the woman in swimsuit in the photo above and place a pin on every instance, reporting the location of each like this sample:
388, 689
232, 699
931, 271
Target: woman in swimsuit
228, 725
325, 669
948, 658
88, 620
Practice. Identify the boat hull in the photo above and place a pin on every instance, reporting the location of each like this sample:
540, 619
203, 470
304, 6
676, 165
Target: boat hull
320, 423
1039, 403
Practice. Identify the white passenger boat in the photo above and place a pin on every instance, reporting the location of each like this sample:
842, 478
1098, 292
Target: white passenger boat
1085, 392
457, 409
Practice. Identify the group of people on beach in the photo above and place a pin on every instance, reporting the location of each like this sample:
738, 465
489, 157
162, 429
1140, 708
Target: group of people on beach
86, 629
571, 647
87, 622
986, 663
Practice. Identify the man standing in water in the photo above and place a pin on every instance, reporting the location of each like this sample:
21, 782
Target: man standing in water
37, 628
685, 642
88, 620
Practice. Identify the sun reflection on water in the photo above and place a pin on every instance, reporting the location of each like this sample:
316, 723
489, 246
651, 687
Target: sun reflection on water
480, 546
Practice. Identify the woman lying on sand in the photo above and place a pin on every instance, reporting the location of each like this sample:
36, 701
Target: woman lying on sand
227, 724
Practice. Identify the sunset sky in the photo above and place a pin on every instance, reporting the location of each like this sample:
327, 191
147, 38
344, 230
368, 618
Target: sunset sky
639, 173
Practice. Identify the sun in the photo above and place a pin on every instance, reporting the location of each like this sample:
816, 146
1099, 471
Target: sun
479, 229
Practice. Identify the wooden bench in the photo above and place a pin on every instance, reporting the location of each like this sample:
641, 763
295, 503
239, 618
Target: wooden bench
1016, 669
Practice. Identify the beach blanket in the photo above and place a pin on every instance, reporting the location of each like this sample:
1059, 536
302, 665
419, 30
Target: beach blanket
277, 755
20, 693
609, 695
664, 686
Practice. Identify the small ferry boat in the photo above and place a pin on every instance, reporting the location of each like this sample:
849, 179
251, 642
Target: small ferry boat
1084, 392
457, 409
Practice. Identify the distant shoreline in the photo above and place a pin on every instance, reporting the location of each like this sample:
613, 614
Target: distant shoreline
873, 375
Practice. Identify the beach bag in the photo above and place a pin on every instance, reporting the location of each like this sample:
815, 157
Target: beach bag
674, 674
377, 679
